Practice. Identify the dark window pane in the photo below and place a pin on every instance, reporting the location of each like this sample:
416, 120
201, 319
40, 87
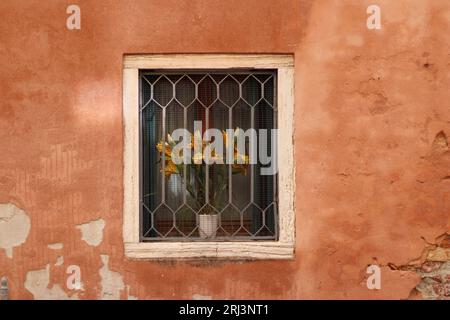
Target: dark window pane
240, 203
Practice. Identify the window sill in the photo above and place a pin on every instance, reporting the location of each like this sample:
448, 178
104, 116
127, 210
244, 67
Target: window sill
258, 250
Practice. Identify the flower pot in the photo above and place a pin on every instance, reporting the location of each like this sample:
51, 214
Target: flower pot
207, 225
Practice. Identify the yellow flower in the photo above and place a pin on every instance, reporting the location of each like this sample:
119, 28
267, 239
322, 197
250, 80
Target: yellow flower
240, 168
170, 139
167, 148
170, 168
197, 138
241, 158
237, 132
214, 157
197, 158
225, 138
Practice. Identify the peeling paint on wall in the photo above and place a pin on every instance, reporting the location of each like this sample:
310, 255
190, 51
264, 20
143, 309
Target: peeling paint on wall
201, 297
112, 283
435, 283
92, 232
434, 269
59, 261
55, 246
129, 296
14, 227
37, 282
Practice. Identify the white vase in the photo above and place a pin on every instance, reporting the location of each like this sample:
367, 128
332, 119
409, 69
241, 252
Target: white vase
207, 225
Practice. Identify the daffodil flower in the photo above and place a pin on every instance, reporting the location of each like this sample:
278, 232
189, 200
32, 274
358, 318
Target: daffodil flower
170, 139
197, 158
214, 158
239, 166
170, 168
241, 158
167, 149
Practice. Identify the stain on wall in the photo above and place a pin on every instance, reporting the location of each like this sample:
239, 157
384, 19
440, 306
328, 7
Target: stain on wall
372, 123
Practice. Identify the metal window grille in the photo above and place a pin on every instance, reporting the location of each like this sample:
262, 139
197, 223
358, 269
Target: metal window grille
246, 207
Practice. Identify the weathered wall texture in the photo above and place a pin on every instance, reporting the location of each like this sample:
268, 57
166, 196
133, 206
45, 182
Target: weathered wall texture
372, 130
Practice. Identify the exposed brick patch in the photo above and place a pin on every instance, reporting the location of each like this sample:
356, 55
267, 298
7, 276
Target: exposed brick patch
434, 269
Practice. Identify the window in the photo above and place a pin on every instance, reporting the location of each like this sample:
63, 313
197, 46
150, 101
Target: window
204, 202
232, 206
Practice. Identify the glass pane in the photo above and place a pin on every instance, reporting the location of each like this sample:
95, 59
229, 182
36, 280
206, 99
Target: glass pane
173, 186
241, 183
151, 118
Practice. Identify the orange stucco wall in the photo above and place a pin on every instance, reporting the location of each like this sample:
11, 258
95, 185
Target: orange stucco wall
372, 116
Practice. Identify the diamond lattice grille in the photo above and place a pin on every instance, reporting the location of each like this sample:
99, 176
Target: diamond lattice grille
238, 204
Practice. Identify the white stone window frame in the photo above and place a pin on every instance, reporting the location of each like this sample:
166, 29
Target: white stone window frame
283, 248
